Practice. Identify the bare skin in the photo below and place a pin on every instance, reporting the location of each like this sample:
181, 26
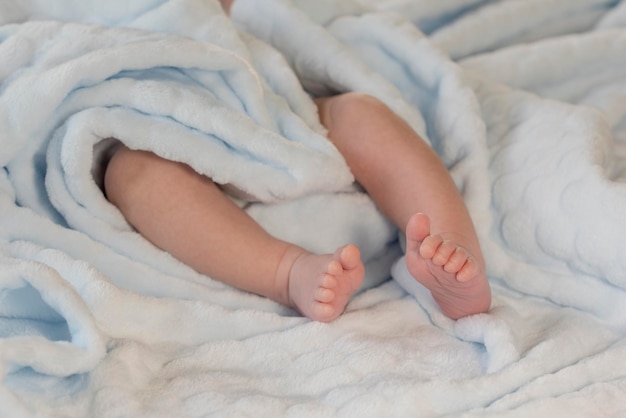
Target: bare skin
454, 277
407, 180
187, 215
448, 260
320, 286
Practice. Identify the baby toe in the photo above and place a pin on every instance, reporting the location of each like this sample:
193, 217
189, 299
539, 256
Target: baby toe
325, 295
334, 268
329, 281
323, 312
443, 253
429, 246
350, 257
456, 261
469, 270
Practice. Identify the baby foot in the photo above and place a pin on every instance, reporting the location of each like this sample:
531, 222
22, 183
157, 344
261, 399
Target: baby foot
321, 285
455, 278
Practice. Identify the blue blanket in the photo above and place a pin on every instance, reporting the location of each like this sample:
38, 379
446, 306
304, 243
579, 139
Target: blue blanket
523, 101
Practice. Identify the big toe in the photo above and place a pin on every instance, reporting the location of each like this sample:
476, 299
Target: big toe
349, 256
418, 228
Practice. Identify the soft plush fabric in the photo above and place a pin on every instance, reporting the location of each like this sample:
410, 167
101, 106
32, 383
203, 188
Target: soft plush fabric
524, 100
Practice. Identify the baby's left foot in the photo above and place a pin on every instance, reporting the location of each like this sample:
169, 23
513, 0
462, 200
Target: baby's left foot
454, 277
320, 286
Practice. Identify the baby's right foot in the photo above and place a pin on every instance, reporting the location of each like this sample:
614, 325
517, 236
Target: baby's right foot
321, 285
454, 277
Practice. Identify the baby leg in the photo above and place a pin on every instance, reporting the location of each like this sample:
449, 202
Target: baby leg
187, 215
404, 176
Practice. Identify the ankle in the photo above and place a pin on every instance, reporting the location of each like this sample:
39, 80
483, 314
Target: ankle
283, 273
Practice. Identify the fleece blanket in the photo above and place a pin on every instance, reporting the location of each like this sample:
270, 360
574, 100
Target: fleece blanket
524, 100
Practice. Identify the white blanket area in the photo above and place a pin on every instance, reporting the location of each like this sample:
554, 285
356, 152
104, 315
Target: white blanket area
525, 101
